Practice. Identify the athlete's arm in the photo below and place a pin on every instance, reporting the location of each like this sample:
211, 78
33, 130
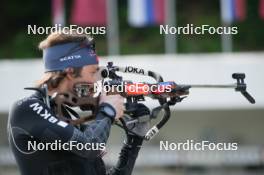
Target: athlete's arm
132, 145
127, 157
39, 121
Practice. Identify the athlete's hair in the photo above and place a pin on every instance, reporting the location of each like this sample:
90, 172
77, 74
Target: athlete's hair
53, 79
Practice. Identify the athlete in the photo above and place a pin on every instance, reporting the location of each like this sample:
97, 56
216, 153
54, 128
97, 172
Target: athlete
69, 59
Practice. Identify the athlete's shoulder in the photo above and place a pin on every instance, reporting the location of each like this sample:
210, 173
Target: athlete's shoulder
25, 104
20, 110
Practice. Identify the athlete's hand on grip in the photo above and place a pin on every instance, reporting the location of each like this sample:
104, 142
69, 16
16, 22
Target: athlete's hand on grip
117, 101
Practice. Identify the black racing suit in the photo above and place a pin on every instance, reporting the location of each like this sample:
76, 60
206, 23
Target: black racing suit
30, 120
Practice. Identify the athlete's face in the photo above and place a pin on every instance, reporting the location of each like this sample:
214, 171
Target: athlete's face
89, 74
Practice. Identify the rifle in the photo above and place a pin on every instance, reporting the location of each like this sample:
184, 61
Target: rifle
167, 93
166, 98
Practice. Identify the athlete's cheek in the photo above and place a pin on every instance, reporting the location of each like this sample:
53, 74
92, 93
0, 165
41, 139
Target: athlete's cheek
91, 78
94, 78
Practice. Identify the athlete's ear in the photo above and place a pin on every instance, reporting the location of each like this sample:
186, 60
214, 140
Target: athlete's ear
70, 73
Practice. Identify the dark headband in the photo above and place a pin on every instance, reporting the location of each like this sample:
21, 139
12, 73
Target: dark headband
74, 54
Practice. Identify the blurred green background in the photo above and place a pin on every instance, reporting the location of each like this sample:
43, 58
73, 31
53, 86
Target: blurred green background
16, 15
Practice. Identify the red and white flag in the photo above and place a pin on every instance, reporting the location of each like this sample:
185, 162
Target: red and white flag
240, 10
58, 12
261, 9
89, 12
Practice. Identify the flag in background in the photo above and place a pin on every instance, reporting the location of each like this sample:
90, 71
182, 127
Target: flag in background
58, 13
233, 10
143, 13
240, 10
89, 12
261, 9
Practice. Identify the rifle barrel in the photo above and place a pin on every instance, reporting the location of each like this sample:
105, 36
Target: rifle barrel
212, 85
